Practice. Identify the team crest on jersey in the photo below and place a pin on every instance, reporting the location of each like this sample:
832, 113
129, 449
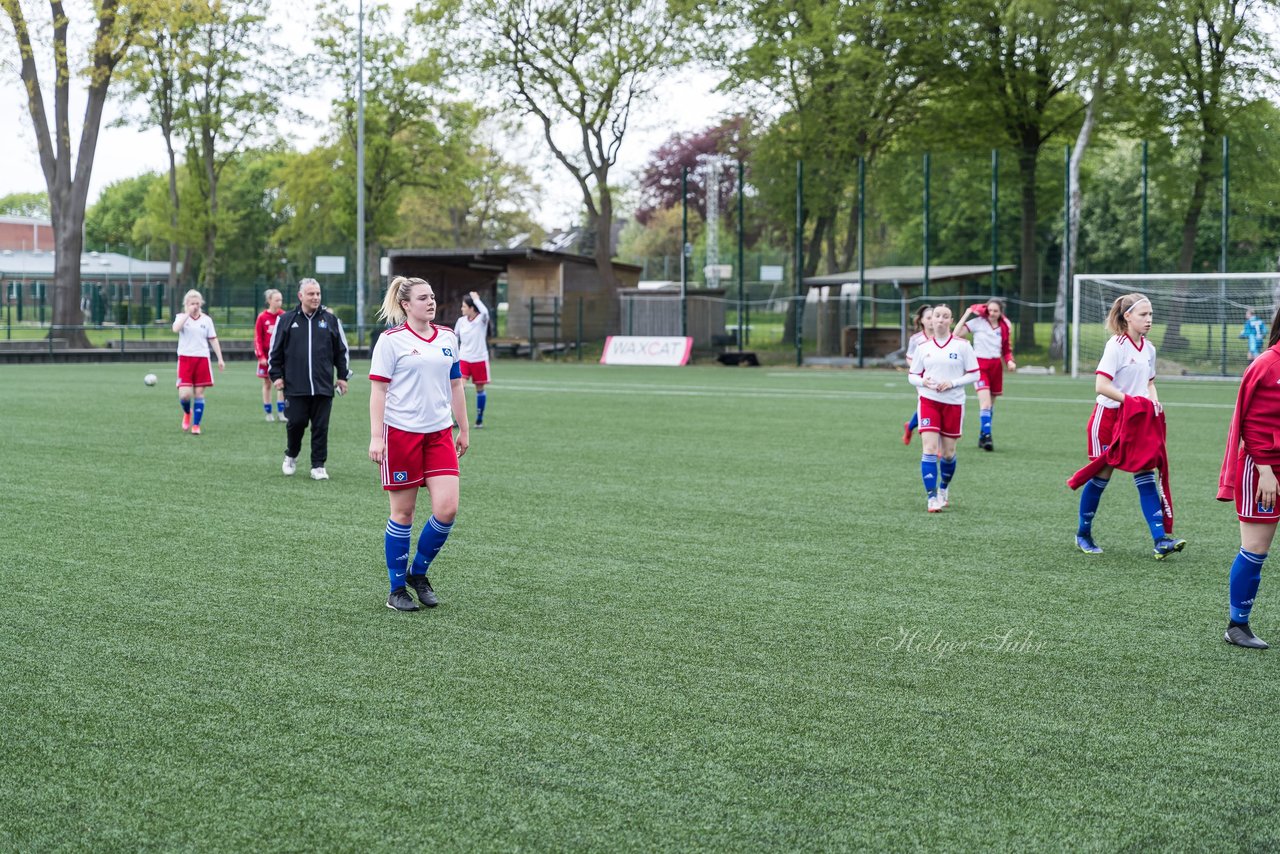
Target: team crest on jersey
324, 325
447, 351
400, 476
925, 422
953, 355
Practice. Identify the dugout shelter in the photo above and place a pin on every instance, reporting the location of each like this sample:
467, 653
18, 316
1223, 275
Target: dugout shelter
545, 288
889, 292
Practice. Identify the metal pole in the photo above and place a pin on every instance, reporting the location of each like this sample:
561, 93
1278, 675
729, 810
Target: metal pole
925, 280
799, 306
741, 262
995, 217
1222, 260
1145, 175
862, 252
685, 252
360, 236
1066, 233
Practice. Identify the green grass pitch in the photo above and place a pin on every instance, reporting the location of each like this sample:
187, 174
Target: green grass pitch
694, 609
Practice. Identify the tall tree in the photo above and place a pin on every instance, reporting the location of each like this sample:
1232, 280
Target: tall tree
153, 74
231, 89
115, 28
578, 67
1016, 70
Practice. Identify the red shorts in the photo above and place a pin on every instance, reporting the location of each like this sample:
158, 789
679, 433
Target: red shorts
264, 371
411, 458
991, 376
1247, 509
944, 418
477, 371
194, 371
1101, 430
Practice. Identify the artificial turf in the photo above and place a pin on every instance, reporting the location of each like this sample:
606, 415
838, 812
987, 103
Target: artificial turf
683, 609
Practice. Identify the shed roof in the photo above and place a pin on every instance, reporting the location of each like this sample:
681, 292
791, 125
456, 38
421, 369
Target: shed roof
496, 259
907, 275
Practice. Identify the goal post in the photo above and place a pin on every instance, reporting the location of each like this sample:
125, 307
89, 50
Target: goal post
1198, 323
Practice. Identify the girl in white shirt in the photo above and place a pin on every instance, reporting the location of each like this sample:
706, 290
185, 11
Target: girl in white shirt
473, 331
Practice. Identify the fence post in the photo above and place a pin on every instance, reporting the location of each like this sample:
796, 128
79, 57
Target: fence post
533, 344
578, 346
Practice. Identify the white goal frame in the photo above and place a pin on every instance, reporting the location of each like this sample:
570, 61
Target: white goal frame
1134, 282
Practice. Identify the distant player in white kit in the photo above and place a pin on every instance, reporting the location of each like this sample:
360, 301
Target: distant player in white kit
921, 333
473, 332
195, 336
1127, 367
942, 367
991, 341
416, 396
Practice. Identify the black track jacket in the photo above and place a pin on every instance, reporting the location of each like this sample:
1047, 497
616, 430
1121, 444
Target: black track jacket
306, 351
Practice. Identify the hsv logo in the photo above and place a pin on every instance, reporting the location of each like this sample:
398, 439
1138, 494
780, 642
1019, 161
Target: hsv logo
400, 476
447, 351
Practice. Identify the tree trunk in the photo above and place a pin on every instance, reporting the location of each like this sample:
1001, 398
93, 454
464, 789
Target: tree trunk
1027, 158
814, 253
211, 228
1173, 337
1058, 338
850, 239
68, 242
173, 222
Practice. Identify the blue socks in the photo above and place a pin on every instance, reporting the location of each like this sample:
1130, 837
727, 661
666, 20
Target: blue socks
1152, 507
1246, 573
985, 417
915, 420
929, 473
279, 406
481, 398
434, 533
185, 403
1090, 495
267, 408
396, 544
948, 470
197, 411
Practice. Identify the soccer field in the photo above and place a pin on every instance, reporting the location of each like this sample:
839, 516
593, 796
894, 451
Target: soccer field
682, 609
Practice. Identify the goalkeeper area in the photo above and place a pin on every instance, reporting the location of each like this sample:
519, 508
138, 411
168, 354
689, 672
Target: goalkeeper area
1198, 319
682, 609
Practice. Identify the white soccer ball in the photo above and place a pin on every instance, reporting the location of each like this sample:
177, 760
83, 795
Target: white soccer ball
149, 379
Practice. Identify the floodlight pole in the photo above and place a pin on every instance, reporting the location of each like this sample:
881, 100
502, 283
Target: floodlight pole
799, 307
1222, 259
741, 262
360, 247
1144, 206
862, 251
995, 217
685, 252
925, 236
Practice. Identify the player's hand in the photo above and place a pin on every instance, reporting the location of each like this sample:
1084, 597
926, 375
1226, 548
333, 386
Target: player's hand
342, 386
1159, 408
222, 366
377, 450
1013, 366
462, 442
279, 384
262, 363
942, 385
1266, 496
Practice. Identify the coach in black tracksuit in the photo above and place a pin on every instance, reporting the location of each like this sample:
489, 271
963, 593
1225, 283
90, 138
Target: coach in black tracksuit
307, 347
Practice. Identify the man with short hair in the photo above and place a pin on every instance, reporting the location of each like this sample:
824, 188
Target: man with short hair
307, 347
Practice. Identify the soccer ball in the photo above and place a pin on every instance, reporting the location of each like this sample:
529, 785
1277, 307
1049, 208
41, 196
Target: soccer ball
149, 379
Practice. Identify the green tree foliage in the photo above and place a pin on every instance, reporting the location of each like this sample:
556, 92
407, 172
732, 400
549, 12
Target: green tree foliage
110, 220
573, 65
25, 204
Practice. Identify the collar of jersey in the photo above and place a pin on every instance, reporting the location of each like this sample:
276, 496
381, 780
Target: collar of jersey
435, 330
944, 343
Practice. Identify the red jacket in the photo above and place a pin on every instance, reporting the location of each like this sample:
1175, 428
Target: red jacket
1255, 426
1006, 348
1138, 445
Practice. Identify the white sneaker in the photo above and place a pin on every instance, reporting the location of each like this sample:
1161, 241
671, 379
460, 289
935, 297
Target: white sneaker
943, 498
290, 465
271, 419
319, 473
935, 504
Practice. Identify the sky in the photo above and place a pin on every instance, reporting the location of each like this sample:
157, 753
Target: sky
682, 104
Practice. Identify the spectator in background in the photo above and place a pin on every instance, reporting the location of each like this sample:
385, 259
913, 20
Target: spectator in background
1254, 333
307, 348
195, 336
262, 329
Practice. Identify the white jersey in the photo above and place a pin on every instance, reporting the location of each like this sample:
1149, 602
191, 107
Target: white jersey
987, 341
950, 360
472, 335
418, 372
193, 337
1128, 365
913, 344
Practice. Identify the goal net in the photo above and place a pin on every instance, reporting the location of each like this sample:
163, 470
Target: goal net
1199, 319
